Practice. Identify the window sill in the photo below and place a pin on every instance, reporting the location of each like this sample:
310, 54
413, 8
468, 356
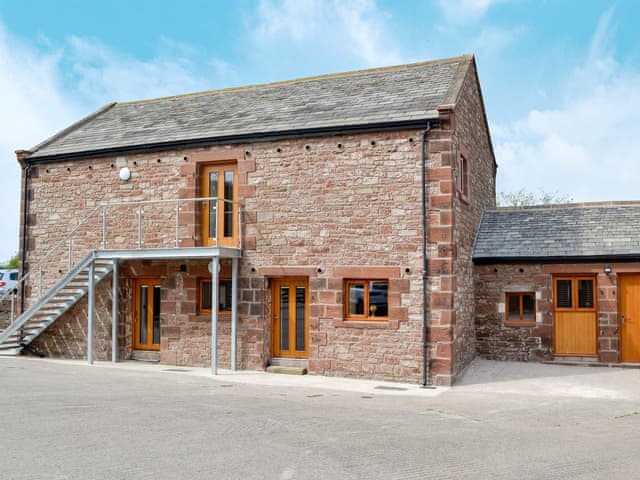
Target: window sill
383, 324
520, 324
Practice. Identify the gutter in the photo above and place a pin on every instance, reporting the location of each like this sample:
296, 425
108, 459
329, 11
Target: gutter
560, 259
425, 261
25, 209
235, 139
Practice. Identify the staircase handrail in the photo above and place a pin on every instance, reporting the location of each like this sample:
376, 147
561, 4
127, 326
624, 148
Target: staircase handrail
84, 263
103, 207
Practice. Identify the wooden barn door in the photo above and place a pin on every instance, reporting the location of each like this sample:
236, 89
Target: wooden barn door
629, 290
575, 316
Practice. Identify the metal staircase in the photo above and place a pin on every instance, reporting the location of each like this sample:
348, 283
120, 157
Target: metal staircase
60, 298
166, 228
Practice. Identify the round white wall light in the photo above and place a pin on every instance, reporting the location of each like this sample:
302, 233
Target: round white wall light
125, 174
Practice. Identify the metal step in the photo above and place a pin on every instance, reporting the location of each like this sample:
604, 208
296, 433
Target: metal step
54, 303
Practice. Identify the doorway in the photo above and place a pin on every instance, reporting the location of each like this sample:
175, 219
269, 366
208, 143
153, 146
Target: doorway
290, 317
146, 314
219, 217
575, 316
629, 291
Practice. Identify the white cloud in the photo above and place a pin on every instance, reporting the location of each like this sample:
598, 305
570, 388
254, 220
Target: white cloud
33, 107
464, 11
586, 148
44, 88
104, 75
352, 31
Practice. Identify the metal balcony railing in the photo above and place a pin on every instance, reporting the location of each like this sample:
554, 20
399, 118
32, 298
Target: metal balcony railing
147, 224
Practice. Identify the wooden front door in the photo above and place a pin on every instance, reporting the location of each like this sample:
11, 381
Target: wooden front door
575, 316
629, 291
290, 318
146, 314
219, 218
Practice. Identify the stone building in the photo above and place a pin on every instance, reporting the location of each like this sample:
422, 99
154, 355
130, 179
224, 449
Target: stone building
331, 220
559, 283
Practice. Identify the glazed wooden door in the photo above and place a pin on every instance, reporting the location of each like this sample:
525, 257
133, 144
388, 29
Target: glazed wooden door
629, 291
219, 218
575, 316
290, 318
146, 314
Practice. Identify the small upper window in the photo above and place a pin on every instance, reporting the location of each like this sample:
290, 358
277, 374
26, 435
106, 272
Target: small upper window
204, 296
521, 307
577, 293
463, 177
366, 300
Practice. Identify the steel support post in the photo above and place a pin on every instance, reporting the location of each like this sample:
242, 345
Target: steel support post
215, 266
234, 312
91, 301
114, 313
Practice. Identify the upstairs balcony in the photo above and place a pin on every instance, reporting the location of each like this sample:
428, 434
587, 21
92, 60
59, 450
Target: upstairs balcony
204, 227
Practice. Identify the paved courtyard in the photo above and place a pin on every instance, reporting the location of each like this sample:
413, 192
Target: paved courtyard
65, 420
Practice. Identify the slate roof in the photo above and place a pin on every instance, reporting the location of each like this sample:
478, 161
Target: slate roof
570, 233
393, 94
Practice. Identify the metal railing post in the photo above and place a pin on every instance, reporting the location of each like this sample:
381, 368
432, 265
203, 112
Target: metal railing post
104, 228
217, 204
140, 226
70, 246
13, 302
177, 224
239, 228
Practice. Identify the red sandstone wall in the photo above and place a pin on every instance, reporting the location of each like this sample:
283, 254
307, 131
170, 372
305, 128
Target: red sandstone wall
496, 340
471, 139
346, 205
328, 208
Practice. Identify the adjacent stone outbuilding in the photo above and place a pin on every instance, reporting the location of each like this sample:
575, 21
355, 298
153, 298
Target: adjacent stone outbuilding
559, 282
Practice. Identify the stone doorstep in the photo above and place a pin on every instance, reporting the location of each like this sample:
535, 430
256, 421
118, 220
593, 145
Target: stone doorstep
589, 362
146, 356
287, 370
289, 362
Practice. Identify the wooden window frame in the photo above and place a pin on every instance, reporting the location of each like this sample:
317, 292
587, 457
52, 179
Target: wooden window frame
574, 293
519, 321
207, 311
220, 168
364, 317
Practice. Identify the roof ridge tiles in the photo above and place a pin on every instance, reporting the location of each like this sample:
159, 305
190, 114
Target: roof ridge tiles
351, 73
558, 206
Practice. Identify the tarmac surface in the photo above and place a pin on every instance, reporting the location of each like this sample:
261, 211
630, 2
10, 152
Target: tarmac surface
503, 420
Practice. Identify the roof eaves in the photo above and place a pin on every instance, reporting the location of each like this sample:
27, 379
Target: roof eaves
242, 138
621, 257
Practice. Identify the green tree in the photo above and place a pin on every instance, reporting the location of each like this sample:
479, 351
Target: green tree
523, 197
12, 263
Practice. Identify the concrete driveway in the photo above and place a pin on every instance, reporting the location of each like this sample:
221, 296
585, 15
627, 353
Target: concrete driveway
66, 420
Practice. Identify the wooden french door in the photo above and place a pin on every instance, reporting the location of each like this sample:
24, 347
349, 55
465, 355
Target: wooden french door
575, 316
219, 218
146, 314
629, 295
290, 318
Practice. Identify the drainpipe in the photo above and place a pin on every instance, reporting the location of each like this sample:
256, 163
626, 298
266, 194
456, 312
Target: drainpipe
25, 208
425, 263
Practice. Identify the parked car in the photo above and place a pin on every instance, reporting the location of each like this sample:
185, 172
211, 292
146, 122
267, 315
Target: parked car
8, 280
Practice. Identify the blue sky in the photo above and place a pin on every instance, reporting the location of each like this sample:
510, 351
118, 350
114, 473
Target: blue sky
560, 78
